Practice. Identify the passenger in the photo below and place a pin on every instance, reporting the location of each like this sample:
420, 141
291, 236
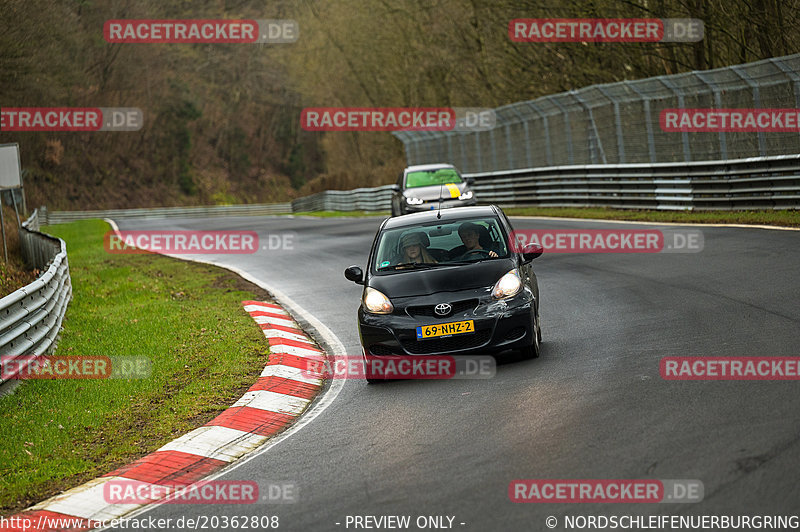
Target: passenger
414, 249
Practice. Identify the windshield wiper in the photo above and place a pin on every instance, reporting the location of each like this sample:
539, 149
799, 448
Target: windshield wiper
473, 261
408, 265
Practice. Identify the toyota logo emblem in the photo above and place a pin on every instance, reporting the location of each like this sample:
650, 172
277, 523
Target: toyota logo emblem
442, 309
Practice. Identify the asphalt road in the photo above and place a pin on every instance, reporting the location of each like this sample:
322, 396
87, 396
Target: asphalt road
592, 407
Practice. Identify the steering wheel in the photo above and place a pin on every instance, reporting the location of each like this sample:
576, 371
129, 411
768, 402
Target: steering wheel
471, 251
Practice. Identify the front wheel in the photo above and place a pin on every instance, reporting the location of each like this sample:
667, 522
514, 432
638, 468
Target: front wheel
533, 350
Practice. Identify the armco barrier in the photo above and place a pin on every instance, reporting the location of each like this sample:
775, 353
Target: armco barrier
359, 199
30, 318
755, 183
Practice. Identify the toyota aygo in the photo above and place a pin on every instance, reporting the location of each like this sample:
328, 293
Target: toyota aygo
448, 283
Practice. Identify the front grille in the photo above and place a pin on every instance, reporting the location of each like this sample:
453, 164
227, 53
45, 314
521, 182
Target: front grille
426, 311
453, 343
381, 350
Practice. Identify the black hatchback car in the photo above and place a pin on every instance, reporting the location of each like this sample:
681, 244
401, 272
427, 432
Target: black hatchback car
448, 283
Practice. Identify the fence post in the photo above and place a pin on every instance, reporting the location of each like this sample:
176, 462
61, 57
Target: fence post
547, 141
795, 79
648, 120
723, 143
593, 127
567, 128
762, 145
524, 122
687, 153
617, 124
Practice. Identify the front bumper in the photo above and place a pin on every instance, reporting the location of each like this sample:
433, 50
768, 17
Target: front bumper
499, 325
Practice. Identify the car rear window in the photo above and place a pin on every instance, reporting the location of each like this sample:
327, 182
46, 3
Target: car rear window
426, 178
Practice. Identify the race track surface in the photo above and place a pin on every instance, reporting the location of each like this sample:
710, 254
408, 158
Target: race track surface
594, 406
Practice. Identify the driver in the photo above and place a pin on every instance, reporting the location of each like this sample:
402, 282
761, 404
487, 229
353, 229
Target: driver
470, 236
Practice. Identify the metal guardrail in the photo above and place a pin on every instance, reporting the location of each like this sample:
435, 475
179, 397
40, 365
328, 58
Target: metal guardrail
30, 318
755, 183
259, 209
359, 199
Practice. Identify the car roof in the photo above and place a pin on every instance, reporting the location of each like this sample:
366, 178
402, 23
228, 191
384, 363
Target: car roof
423, 167
448, 216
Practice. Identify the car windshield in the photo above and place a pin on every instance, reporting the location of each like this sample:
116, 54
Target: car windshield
440, 244
426, 178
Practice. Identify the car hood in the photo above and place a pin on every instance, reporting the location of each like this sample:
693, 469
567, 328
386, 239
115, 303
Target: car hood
441, 279
432, 193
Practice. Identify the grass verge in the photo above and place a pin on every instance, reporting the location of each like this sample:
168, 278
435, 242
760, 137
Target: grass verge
186, 318
782, 218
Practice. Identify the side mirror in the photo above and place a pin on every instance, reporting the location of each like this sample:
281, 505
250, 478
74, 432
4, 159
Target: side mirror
470, 181
354, 273
395, 188
531, 251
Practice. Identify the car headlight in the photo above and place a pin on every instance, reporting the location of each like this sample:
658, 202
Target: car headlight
414, 201
509, 285
377, 303
466, 195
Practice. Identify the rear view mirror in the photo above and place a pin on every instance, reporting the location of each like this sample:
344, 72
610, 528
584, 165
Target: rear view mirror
354, 273
441, 231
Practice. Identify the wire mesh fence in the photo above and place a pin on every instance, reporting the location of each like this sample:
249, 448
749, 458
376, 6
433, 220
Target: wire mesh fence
618, 123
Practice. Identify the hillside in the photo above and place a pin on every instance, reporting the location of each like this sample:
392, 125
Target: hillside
221, 121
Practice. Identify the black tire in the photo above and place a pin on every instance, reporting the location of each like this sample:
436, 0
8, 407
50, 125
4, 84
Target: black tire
533, 350
539, 331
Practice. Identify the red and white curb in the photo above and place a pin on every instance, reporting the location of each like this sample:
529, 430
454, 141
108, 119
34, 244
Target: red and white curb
282, 392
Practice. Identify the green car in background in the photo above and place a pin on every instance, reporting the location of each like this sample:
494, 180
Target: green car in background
425, 187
